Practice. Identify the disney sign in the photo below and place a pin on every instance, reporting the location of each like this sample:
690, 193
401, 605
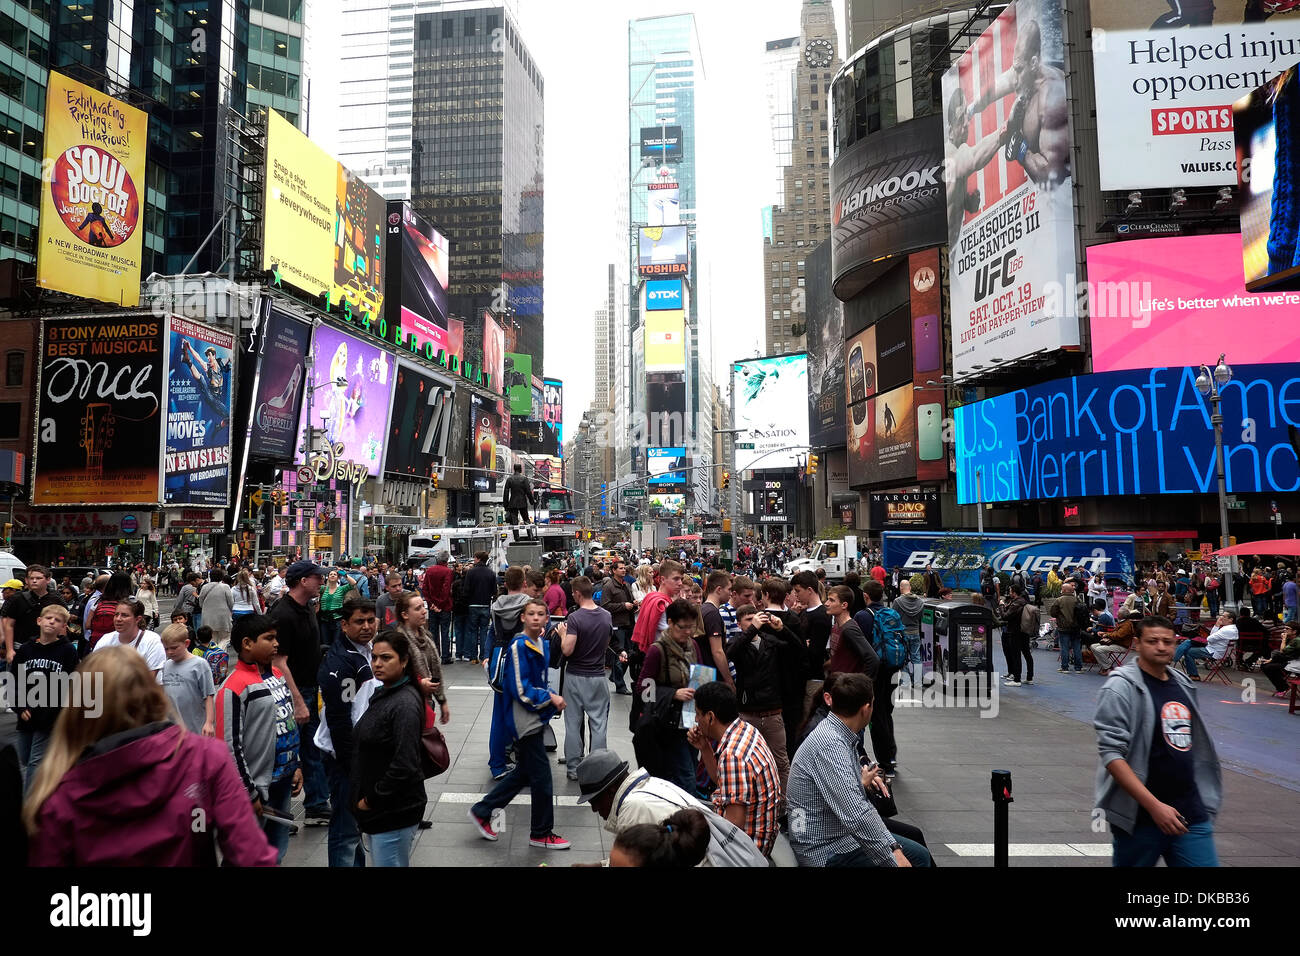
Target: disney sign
322, 466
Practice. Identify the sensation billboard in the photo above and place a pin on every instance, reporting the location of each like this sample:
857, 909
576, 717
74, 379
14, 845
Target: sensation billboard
199, 387
324, 228
285, 343
887, 197
91, 237
771, 410
661, 142
1009, 190
664, 251
1137, 432
420, 427
1268, 157
1166, 75
518, 383
665, 341
354, 382
825, 317
99, 411
1182, 301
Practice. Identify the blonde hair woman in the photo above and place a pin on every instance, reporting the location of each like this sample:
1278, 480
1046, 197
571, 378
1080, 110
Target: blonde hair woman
247, 599
123, 784
644, 583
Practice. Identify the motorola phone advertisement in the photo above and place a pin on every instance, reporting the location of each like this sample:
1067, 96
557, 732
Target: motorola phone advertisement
1010, 190
928, 393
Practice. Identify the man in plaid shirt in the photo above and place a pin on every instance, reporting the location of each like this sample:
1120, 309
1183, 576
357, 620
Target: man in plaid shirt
739, 762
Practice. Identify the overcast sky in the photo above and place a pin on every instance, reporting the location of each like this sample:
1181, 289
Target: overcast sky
581, 48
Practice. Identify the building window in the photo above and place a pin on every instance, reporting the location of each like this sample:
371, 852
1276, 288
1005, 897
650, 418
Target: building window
814, 104
785, 266
447, 28
470, 26
814, 85
776, 267
10, 413
14, 362
785, 282
799, 265
776, 283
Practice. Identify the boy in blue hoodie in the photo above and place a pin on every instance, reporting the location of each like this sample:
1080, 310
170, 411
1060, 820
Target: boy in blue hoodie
504, 625
528, 705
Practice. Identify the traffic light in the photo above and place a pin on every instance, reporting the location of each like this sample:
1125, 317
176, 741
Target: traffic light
435, 482
726, 479
812, 464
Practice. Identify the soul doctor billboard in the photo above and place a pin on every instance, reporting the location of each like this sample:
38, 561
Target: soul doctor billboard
1010, 189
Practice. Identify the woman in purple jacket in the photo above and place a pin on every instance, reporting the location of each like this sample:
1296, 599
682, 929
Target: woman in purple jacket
123, 783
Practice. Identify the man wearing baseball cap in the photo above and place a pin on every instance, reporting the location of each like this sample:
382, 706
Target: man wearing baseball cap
298, 658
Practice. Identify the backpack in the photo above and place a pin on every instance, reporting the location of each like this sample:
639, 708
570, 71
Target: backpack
1082, 619
1018, 578
1029, 623
218, 660
887, 636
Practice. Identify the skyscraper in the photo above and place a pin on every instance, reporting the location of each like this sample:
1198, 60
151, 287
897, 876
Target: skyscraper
780, 59
803, 218
477, 147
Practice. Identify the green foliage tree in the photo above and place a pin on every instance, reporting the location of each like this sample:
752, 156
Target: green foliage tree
951, 554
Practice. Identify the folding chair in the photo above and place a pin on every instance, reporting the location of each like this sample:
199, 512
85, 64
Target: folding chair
1220, 664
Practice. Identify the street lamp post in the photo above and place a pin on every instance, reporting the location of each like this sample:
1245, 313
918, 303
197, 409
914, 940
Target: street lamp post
1210, 384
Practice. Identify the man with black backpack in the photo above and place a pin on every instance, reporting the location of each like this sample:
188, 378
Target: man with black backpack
884, 628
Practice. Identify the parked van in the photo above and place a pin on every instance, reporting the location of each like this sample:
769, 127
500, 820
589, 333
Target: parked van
11, 567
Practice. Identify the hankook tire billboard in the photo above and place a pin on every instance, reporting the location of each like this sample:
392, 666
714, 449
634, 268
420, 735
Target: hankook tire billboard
887, 197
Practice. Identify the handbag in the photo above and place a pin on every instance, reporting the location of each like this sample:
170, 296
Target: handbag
434, 756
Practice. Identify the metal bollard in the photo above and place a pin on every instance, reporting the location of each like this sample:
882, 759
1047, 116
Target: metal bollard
1001, 787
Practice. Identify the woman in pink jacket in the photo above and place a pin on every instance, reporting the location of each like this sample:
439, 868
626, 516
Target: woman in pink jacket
123, 783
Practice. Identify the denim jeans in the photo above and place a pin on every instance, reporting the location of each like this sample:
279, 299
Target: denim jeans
315, 786
1146, 844
460, 628
1189, 654
913, 642
31, 749
329, 630
916, 854
618, 642
532, 770
1288, 613
1071, 646
499, 735
391, 848
440, 632
681, 758
1260, 602
344, 836
589, 697
280, 798
1212, 598
475, 644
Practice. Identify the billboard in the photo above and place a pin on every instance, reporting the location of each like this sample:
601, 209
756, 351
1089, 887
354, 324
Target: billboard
771, 410
285, 343
894, 349
661, 142
199, 380
1010, 190
1269, 166
354, 382
553, 407
1109, 554
665, 403
667, 505
662, 294
905, 509
324, 229
1166, 75
419, 432
99, 415
887, 197
664, 204
1139, 432
494, 351
825, 316
662, 465
518, 383
664, 251
926, 296
91, 236
1181, 301
418, 272
486, 435
665, 341
894, 438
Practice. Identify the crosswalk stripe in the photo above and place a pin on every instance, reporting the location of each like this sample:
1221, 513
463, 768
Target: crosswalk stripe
480, 687
1033, 849
561, 799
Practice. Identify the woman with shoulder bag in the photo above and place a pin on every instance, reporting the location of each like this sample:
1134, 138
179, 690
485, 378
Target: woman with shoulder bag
412, 622
659, 740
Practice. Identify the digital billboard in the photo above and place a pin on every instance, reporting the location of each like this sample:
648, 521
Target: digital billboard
1182, 301
665, 341
1166, 74
926, 295
324, 228
354, 390
667, 505
418, 272
665, 403
771, 410
553, 407
663, 464
825, 316
97, 442
494, 351
284, 343
664, 251
518, 383
664, 204
662, 294
196, 470
1265, 126
91, 237
486, 435
420, 428
887, 196
1136, 432
1010, 190
895, 438
661, 142
894, 349
905, 509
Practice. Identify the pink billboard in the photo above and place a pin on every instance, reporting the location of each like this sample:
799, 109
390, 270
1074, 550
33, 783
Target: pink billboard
1182, 301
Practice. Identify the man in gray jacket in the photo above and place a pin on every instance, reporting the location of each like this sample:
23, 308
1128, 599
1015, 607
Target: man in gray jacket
1158, 779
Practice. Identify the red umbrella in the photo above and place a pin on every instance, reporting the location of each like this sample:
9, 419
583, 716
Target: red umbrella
1285, 547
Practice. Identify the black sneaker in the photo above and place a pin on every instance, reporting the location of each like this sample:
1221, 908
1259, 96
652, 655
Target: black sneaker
317, 818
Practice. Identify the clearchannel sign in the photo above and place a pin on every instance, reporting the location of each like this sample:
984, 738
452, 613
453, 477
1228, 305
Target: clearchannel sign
1136, 432
663, 294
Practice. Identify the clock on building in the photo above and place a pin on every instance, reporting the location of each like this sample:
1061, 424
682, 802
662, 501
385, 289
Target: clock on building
819, 53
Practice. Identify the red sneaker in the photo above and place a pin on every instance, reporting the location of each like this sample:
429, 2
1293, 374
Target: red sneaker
551, 841
484, 827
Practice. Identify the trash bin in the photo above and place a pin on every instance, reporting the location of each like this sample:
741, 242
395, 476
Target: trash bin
956, 638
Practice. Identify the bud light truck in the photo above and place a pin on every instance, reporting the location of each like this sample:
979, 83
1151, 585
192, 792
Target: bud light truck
1110, 555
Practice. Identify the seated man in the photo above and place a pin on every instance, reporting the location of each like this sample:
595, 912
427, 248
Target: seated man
832, 823
1223, 634
1252, 638
1112, 646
